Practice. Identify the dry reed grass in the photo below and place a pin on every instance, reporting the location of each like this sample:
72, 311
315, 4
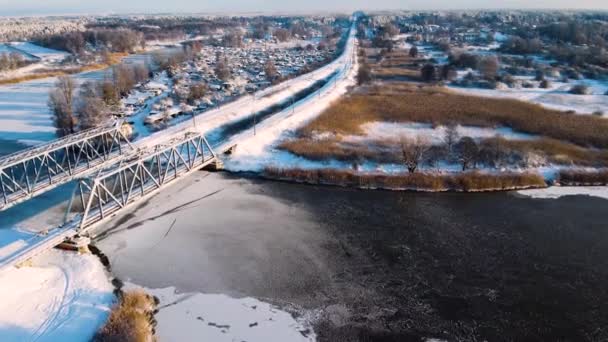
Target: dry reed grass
465, 182
409, 103
575, 178
130, 320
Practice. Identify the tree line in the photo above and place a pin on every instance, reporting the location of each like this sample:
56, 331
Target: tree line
75, 108
109, 39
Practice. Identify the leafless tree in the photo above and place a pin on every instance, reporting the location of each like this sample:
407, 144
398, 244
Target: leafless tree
222, 70
488, 66
61, 104
413, 152
450, 137
468, 152
282, 35
272, 74
92, 112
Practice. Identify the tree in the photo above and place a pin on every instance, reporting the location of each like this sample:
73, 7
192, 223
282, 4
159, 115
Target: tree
434, 155
450, 136
580, 89
493, 151
282, 35
448, 72
467, 152
272, 74
197, 92
61, 104
428, 73
91, 112
413, 52
413, 152
488, 67
364, 74
222, 70
109, 94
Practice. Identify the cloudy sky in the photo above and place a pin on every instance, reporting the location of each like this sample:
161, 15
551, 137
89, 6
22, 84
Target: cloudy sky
35, 7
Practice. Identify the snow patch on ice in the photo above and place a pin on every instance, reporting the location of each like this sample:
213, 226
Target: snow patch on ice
555, 192
217, 317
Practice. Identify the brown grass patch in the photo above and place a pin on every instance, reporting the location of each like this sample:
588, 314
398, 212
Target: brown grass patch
561, 152
583, 178
130, 320
333, 149
467, 182
407, 103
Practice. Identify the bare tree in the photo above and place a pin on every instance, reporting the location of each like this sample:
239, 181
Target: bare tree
92, 112
197, 91
450, 137
272, 74
428, 73
364, 74
493, 151
61, 104
222, 70
468, 152
282, 35
413, 52
413, 152
488, 66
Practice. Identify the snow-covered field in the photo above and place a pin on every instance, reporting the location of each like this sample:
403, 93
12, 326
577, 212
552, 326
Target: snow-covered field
556, 97
44, 54
62, 296
219, 318
561, 191
433, 135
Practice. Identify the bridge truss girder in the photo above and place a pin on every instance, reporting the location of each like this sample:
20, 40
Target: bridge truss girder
29, 173
117, 188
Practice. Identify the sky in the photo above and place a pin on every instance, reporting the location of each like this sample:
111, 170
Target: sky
40, 7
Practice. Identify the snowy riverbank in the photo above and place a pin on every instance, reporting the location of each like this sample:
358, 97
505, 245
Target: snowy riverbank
61, 296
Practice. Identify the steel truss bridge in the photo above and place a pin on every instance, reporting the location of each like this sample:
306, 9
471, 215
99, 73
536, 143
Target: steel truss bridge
34, 171
132, 179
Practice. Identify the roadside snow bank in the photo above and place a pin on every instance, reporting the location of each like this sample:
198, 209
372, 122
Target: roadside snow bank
63, 296
560, 191
218, 318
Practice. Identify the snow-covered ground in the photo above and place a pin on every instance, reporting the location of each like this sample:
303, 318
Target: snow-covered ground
560, 191
44, 54
556, 97
219, 318
62, 296
433, 135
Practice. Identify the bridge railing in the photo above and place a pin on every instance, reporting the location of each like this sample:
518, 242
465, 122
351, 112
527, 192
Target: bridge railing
130, 180
33, 171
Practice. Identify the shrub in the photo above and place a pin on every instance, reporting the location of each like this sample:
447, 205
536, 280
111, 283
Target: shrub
583, 177
545, 84
130, 319
580, 89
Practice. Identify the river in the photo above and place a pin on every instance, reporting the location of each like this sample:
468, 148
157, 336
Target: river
380, 266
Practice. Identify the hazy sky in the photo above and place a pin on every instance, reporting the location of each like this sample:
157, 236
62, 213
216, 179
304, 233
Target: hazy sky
36, 7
